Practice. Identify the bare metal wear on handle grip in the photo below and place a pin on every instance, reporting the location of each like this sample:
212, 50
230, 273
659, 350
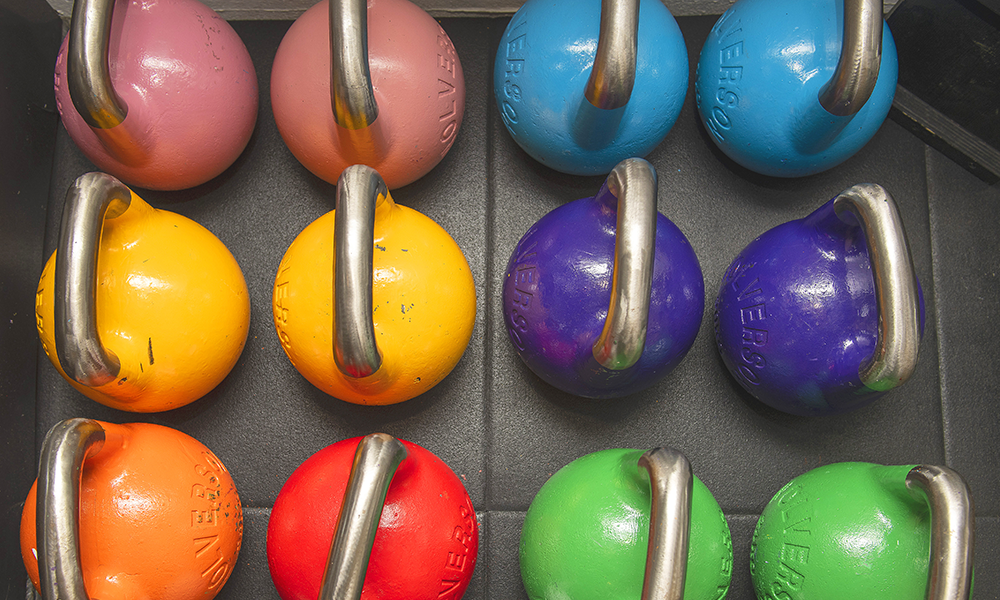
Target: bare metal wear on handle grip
359, 190
613, 75
670, 482
898, 299
377, 457
623, 337
93, 198
56, 519
860, 57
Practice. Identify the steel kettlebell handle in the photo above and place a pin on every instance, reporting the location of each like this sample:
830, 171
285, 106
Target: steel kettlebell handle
91, 199
952, 530
375, 462
64, 449
670, 483
620, 345
613, 74
860, 57
898, 340
360, 190
351, 94
87, 66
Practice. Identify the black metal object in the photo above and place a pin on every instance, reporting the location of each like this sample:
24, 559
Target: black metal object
949, 78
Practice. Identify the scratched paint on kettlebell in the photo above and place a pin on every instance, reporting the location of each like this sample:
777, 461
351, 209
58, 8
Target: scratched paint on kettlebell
457, 564
447, 60
731, 55
516, 53
525, 285
39, 321
753, 317
207, 547
796, 522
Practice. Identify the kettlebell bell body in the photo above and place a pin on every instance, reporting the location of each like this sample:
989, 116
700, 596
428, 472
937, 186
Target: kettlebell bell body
159, 518
759, 80
425, 544
416, 78
541, 73
558, 288
586, 533
171, 303
850, 530
798, 316
423, 305
187, 84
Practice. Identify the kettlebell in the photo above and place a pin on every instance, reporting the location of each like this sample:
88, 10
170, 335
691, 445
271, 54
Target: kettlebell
129, 511
140, 309
374, 518
159, 93
604, 296
824, 314
860, 530
584, 84
374, 302
625, 524
789, 88
374, 82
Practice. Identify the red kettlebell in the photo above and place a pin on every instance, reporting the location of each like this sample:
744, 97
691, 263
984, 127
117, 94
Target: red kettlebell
162, 94
374, 518
375, 83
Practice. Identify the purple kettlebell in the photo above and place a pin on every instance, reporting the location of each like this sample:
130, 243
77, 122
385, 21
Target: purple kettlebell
824, 314
604, 296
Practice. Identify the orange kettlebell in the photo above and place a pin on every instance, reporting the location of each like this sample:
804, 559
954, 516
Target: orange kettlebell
139, 309
129, 511
374, 302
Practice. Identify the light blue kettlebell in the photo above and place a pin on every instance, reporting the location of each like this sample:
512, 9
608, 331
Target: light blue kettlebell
793, 87
583, 84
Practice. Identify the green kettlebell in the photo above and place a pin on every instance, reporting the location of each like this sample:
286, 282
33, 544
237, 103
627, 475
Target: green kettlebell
860, 530
622, 525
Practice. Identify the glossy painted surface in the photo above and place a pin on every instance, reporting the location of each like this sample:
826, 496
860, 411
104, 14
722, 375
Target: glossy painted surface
845, 530
191, 92
419, 87
424, 306
558, 287
541, 70
758, 83
425, 546
586, 533
796, 316
160, 517
172, 304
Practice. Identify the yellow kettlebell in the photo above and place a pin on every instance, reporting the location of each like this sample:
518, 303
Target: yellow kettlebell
374, 302
140, 309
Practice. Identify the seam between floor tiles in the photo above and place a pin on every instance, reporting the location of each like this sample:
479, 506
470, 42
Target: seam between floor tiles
942, 370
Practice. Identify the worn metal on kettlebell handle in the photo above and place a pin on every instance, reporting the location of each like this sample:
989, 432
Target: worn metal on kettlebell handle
896, 293
64, 449
375, 462
351, 93
613, 74
91, 199
87, 68
360, 190
952, 530
670, 483
620, 345
860, 56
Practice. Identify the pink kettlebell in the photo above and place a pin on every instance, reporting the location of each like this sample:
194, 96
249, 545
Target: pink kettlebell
159, 93
376, 83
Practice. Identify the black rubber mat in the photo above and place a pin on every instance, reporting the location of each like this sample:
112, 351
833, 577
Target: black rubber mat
499, 427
